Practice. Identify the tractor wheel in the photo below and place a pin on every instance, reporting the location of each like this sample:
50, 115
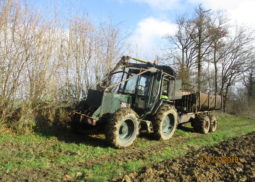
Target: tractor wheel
165, 122
123, 128
202, 124
213, 123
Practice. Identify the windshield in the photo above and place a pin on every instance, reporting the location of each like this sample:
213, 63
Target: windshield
140, 83
130, 85
116, 78
130, 82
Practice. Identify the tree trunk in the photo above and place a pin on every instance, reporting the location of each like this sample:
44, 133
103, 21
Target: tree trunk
250, 90
199, 60
215, 74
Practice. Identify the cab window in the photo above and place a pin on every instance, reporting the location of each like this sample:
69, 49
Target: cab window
131, 85
143, 85
165, 87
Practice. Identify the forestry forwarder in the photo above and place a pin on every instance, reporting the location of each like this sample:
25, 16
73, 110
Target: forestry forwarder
135, 96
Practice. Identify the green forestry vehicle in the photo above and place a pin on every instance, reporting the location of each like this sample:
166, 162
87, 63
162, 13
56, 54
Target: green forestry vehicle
143, 96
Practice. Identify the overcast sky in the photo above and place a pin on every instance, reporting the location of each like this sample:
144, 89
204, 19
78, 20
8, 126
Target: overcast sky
146, 21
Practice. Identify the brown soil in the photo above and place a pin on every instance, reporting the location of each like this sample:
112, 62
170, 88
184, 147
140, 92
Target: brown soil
206, 164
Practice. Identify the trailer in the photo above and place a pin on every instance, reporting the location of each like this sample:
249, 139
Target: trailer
197, 108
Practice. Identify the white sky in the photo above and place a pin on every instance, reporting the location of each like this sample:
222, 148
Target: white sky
159, 4
146, 41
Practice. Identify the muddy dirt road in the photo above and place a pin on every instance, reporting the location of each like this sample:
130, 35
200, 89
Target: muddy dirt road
206, 164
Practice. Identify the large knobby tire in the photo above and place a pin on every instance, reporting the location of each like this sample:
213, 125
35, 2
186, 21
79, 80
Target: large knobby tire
213, 123
123, 128
202, 124
165, 122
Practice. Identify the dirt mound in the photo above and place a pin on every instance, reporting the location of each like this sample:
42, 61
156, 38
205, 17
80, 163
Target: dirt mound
231, 160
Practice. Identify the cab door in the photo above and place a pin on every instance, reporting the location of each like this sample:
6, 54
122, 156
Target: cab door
165, 91
142, 92
154, 91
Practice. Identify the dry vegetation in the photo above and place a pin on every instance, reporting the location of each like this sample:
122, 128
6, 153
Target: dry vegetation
44, 63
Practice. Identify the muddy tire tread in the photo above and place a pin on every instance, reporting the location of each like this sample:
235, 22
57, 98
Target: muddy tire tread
111, 132
159, 118
199, 124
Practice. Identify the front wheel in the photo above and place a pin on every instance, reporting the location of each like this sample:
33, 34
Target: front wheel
165, 122
123, 128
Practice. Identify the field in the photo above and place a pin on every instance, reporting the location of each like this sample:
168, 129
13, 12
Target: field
230, 160
62, 156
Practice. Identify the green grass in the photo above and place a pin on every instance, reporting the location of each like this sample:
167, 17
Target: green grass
33, 151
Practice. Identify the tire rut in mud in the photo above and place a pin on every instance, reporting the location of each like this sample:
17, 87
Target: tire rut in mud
206, 164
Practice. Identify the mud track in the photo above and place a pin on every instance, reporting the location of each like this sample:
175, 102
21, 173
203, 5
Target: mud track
206, 164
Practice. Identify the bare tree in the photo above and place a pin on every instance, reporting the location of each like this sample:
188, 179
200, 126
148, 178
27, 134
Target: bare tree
80, 52
248, 80
237, 54
39, 58
201, 39
218, 32
183, 50
192, 45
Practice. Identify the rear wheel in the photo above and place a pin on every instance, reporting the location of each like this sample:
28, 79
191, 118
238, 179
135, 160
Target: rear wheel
165, 122
202, 124
123, 128
213, 123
